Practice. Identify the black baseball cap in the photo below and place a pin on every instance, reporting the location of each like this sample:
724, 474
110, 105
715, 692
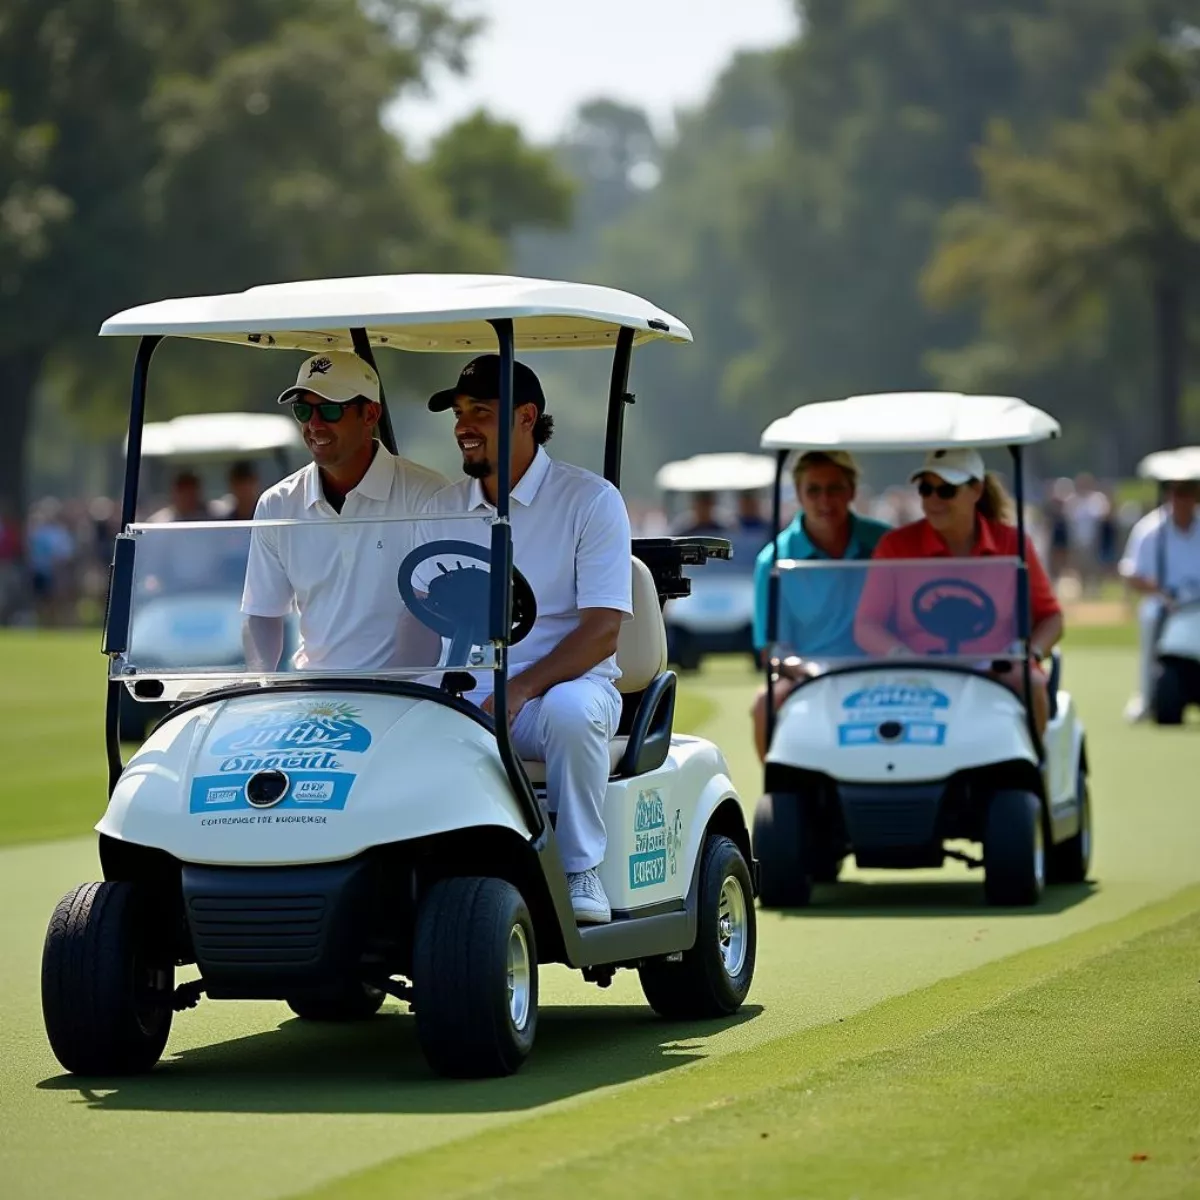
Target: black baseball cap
480, 379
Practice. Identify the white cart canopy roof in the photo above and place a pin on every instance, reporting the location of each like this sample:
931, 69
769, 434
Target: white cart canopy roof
717, 473
910, 421
218, 435
1172, 466
447, 313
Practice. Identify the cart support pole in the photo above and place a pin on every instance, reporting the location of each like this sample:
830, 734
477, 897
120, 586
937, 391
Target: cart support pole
362, 347
773, 588
618, 396
1024, 600
501, 590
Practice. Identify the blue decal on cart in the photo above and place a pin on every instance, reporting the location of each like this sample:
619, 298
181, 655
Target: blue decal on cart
312, 790
904, 712
648, 862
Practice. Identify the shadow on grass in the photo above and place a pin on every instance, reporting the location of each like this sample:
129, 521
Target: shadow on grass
954, 898
375, 1066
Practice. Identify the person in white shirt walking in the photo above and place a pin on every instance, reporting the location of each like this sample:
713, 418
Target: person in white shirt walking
1162, 563
571, 541
341, 579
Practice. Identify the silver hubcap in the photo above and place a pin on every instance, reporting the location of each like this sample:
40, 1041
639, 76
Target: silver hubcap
520, 974
731, 926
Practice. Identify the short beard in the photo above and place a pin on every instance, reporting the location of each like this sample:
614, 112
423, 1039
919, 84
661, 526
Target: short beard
477, 470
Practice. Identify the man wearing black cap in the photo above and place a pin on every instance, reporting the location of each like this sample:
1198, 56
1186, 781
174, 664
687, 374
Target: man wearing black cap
571, 540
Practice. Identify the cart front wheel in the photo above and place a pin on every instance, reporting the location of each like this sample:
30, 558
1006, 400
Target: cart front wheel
475, 978
107, 989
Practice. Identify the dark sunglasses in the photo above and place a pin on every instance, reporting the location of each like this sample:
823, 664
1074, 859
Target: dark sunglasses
331, 413
943, 491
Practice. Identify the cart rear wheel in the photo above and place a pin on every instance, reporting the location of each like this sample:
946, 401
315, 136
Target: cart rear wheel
1014, 854
1170, 697
714, 976
475, 978
107, 990
783, 845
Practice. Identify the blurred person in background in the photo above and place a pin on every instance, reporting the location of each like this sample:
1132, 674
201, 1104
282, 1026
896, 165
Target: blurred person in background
245, 488
1142, 565
751, 518
702, 520
51, 549
1058, 556
187, 501
12, 565
816, 612
1086, 510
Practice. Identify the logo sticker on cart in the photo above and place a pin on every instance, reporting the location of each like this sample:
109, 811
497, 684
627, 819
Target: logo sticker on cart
309, 742
900, 712
655, 846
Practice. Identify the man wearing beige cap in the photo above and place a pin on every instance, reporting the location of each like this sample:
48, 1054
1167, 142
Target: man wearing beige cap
342, 578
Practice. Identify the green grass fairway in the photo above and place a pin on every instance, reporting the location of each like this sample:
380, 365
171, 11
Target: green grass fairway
1055, 1074
891, 989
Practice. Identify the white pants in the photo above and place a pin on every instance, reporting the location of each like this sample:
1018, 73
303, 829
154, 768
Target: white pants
1149, 610
569, 729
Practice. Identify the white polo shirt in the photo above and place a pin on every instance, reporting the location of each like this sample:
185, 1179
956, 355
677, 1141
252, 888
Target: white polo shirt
1182, 552
571, 541
342, 577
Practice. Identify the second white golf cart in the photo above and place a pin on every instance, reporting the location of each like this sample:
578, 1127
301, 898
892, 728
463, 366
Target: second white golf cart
896, 759
190, 610
327, 837
717, 617
1176, 682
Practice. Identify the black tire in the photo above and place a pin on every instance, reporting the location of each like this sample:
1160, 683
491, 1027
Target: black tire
1069, 861
826, 868
783, 845
107, 991
352, 1000
461, 979
1170, 695
714, 976
1014, 860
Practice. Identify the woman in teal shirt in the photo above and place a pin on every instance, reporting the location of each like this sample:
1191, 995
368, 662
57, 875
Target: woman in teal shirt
816, 608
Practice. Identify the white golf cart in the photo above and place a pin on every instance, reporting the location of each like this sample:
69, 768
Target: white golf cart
328, 837
1177, 644
191, 606
717, 617
893, 758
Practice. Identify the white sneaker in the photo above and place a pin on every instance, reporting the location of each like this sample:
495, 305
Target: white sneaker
1136, 710
588, 900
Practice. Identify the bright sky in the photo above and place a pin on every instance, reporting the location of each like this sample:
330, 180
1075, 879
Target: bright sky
537, 59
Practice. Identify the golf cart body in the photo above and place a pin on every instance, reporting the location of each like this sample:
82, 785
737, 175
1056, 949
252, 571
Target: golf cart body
327, 836
1177, 645
717, 617
191, 603
896, 759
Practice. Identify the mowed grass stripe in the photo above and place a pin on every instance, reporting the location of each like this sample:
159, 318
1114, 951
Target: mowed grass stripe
1041, 1074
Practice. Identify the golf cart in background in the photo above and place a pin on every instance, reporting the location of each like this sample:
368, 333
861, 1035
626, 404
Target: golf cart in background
1177, 644
717, 617
894, 759
190, 609
329, 837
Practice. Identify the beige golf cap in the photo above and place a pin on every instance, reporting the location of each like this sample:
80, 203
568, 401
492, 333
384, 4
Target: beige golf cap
954, 466
337, 376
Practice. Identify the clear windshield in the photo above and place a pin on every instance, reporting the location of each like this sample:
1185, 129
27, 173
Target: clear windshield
962, 610
220, 601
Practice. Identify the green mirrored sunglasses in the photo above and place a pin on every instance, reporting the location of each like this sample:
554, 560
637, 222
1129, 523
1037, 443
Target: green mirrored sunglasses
331, 413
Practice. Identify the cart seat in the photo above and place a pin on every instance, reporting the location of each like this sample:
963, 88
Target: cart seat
647, 688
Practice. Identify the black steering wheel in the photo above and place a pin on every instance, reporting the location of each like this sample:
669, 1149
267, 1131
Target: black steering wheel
954, 610
456, 605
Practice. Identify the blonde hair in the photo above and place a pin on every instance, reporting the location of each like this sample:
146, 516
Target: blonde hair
822, 458
995, 503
